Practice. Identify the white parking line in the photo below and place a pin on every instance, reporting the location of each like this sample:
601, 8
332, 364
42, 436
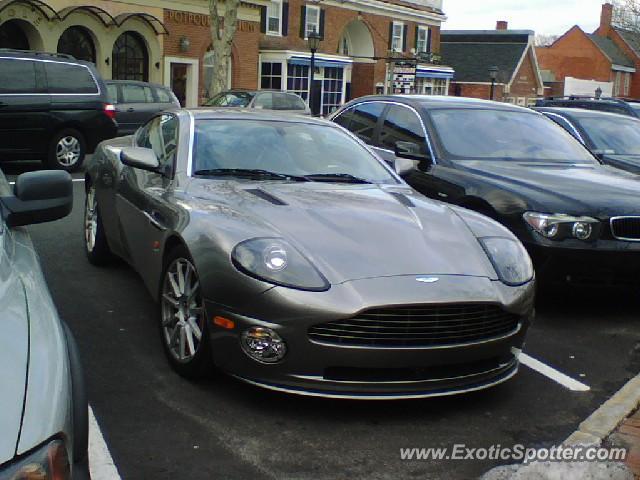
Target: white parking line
553, 374
101, 463
73, 180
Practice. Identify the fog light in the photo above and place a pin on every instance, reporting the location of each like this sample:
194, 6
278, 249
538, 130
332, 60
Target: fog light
582, 230
263, 344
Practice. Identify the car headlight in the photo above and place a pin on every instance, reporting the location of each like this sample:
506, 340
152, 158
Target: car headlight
559, 226
276, 261
509, 258
49, 462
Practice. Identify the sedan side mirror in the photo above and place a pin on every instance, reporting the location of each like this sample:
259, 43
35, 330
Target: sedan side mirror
138, 157
38, 197
408, 156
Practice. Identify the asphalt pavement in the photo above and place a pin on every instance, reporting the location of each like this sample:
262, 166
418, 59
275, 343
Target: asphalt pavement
158, 426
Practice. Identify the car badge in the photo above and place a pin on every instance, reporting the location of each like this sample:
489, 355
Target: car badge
427, 279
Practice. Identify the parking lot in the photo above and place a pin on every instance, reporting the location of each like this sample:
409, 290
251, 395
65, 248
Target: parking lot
158, 425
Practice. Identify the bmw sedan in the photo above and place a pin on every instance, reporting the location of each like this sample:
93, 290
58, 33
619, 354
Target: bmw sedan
579, 219
44, 413
613, 139
283, 251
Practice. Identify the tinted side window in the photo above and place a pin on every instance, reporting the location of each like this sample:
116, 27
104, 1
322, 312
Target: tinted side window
364, 120
161, 135
402, 125
136, 94
68, 78
163, 95
17, 76
264, 100
344, 119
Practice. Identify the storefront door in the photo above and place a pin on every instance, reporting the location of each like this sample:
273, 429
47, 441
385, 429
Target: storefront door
179, 77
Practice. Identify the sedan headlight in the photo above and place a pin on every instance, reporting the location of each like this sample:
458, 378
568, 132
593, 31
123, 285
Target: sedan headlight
509, 258
559, 226
276, 261
49, 462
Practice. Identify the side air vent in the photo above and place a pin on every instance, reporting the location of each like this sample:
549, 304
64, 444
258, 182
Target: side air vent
403, 199
258, 192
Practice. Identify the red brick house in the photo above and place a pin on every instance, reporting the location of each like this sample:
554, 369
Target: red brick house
471, 53
602, 57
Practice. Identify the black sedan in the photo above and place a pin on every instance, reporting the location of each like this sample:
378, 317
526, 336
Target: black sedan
579, 220
614, 139
284, 251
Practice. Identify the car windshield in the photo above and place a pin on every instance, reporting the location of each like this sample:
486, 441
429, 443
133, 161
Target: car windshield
613, 135
474, 134
230, 99
283, 148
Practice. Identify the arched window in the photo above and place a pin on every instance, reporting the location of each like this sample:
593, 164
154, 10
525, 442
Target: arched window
77, 41
13, 36
130, 58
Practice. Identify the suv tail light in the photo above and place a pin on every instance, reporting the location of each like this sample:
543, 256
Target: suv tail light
110, 110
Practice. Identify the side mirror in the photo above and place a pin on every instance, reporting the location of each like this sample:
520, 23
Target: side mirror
408, 156
138, 157
39, 197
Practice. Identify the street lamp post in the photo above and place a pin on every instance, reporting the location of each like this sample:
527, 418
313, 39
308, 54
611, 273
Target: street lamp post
493, 75
313, 41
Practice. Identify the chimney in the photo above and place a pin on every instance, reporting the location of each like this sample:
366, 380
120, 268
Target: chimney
502, 25
606, 17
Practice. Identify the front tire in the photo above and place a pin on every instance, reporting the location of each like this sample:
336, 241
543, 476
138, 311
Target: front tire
183, 326
95, 241
66, 150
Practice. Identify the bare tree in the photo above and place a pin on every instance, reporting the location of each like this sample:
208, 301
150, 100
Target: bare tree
545, 40
223, 29
626, 14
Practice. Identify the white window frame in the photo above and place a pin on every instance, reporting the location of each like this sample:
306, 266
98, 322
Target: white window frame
277, 6
424, 48
308, 24
397, 48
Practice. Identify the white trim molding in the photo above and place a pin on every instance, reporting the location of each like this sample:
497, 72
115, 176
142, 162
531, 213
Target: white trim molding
193, 77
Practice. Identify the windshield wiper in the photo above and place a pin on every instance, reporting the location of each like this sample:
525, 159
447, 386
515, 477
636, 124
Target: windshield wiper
248, 173
335, 177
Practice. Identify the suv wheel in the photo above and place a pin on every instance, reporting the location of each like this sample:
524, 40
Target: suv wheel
67, 150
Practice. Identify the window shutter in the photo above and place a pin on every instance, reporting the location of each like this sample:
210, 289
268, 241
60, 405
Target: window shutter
263, 19
417, 33
303, 20
321, 32
390, 35
285, 18
429, 40
404, 37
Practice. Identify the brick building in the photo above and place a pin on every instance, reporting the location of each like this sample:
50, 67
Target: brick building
169, 42
471, 53
606, 58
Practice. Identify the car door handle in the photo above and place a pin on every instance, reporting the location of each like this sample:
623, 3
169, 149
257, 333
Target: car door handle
131, 110
2, 104
154, 221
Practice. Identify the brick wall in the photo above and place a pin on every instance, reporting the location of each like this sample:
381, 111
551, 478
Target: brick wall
477, 90
525, 83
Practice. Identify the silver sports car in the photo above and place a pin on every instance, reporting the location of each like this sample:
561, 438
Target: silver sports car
283, 251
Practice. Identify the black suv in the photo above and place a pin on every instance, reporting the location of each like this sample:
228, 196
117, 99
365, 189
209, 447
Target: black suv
52, 107
611, 105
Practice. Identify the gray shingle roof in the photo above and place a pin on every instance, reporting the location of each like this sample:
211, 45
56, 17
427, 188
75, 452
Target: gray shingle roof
472, 61
632, 39
611, 50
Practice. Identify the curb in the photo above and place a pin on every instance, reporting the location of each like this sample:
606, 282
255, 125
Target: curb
601, 423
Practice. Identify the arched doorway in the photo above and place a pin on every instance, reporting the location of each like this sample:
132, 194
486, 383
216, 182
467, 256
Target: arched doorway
12, 35
356, 40
130, 58
77, 41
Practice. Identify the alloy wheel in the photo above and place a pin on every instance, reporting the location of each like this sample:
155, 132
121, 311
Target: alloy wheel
182, 310
68, 151
90, 219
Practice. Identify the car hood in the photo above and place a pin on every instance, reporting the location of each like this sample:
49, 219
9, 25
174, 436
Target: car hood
356, 231
596, 190
14, 350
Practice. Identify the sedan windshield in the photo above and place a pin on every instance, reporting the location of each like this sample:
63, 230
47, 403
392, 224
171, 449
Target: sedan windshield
613, 135
277, 149
230, 99
467, 134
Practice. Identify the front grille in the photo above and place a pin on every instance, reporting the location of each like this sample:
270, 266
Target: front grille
419, 326
626, 228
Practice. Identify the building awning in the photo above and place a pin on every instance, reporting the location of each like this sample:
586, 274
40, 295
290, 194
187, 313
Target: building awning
45, 10
431, 71
319, 61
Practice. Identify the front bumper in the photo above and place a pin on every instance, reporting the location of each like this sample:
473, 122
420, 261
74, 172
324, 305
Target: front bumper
345, 371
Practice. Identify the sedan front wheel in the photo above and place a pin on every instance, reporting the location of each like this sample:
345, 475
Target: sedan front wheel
95, 241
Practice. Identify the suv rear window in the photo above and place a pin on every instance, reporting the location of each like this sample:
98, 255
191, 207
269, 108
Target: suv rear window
69, 78
17, 76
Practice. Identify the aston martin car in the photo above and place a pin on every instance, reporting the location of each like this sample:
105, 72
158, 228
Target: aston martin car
44, 414
614, 139
283, 251
579, 219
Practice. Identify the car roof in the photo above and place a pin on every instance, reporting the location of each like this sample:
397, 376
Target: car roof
436, 101
255, 92
222, 113
135, 82
582, 112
